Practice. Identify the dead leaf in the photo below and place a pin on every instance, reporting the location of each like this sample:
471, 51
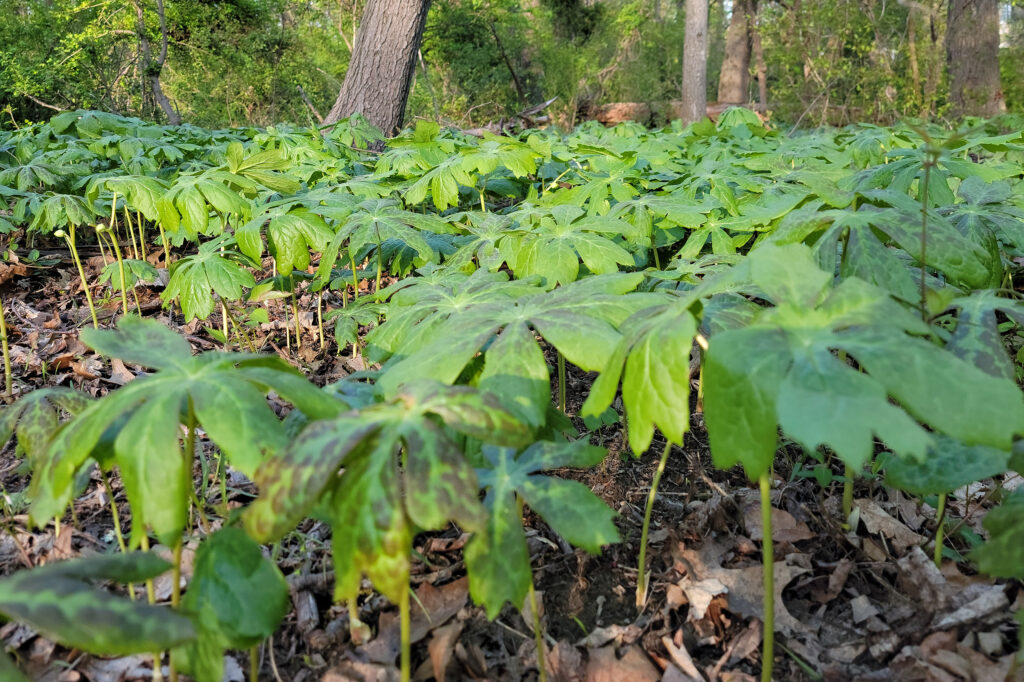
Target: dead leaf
441, 648
620, 634
565, 663
862, 609
981, 602
441, 603
745, 585
700, 594
681, 657
836, 582
879, 522
784, 527
119, 375
603, 665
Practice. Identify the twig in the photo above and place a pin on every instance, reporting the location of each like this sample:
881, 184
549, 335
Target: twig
302, 94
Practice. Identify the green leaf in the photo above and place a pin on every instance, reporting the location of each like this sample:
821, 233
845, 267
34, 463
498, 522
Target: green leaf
236, 597
57, 601
1003, 555
743, 371
515, 371
153, 468
142, 342
949, 465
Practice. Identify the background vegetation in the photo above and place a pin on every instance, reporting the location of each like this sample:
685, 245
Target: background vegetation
239, 62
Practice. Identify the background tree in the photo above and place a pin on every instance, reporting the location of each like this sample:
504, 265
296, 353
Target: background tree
384, 58
972, 44
734, 78
695, 59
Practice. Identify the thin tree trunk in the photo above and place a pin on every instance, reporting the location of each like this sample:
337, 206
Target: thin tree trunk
695, 62
383, 62
759, 64
734, 78
151, 68
972, 53
915, 68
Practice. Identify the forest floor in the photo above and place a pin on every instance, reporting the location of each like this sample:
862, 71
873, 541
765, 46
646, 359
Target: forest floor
864, 603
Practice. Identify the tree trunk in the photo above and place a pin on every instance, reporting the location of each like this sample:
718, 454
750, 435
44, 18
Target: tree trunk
695, 61
734, 79
152, 67
383, 62
972, 53
759, 64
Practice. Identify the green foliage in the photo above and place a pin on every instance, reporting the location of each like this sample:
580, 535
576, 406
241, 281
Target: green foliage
59, 601
497, 556
222, 393
237, 597
1003, 555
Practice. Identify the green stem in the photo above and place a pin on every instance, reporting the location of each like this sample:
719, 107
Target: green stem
113, 510
849, 475
254, 663
561, 382
166, 245
355, 277
70, 237
924, 236
158, 674
8, 380
295, 314
120, 268
406, 633
641, 585
941, 516
538, 635
768, 559
657, 260
320, 317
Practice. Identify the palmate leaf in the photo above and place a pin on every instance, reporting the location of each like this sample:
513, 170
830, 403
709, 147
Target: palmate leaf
1003, 555
373, 518
555, 247
194, 279
497, 558
291, 235
780, 369
579, 320
34, 418
236, 598
58, 601
224, 393
976, 338
653, 360
949, 465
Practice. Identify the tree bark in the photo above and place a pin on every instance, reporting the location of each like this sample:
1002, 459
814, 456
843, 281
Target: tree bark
695, 61
383, 62
759, 64
972, 55
152, 67
734, 78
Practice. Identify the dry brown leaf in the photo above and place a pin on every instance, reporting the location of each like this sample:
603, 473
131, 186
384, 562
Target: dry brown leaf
862, 609
441, 603
119, 375
745, 585
784, 527
620, 634
681, 657
565, 663
836, 582
603, 665
700, 595
442, 647
879, 522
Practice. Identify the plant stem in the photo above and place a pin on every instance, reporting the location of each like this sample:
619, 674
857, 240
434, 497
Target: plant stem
70, 237
113, 510
355, 277
924, 231
142, 231
158, 674
538, 635
320, 317
657, 260
120, 267
406, 627
848, 492
295, 314
167, 248
254, 663
641, 584
561, 382
8, 381
768, 559
941, 516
